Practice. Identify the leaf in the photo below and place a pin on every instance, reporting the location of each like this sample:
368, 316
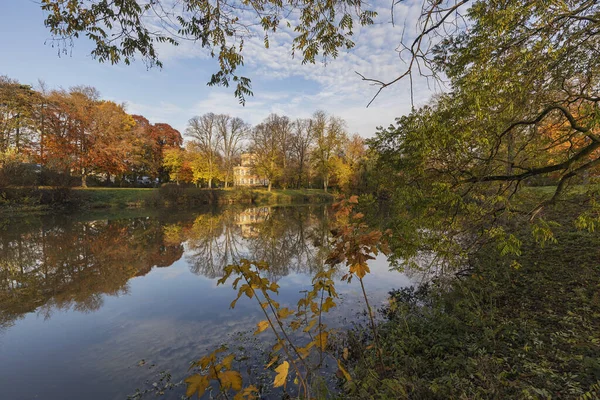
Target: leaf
360, 269
250, 392
328, 304
284, 313
231, 380
343, 370
261, 326
345, 353
282, 373
273, 360
227, 361
196, 384
321, 340
310, 325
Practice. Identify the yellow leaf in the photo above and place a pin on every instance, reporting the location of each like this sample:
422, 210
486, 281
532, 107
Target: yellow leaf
295, 325
273, 360
248, 393
227, 361
282, 373
345, 353
360, 269
261, 326
231, 380
329, 303
310, 325
284, 313
305, 351
196, 384
321, 340
343, 370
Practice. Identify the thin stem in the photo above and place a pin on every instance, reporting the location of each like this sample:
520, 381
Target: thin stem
373, 326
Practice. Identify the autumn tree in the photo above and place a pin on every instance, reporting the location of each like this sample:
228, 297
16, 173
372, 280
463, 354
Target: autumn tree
204, 131
113, 139
266, 150
178, 165
17, 114
302, 141
71, 119
232, 132
329, 134
282, 129
152, 141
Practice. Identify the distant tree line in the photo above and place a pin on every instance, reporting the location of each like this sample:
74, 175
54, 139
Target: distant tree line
302, 153
63, 137
74, 137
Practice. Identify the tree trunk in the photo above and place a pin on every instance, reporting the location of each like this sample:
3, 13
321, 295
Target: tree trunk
83, 179
210, 183
269, 189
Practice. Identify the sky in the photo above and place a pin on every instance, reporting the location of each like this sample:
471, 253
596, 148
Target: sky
178, 91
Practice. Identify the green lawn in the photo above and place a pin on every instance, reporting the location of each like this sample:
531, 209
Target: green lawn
115, 197
138, 197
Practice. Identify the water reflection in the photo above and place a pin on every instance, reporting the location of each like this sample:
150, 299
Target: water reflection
289, 239
67, 263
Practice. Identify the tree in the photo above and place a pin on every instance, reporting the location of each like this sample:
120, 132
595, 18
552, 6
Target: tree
232, 132
282, 129
113, 139
329, 135
175, 163
205, 132
302, 140
17, 114
267, 157
120, 31
153, 140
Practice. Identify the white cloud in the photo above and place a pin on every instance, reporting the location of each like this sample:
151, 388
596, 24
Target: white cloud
340, 90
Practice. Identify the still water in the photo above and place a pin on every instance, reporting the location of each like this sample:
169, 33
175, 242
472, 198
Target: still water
95, 306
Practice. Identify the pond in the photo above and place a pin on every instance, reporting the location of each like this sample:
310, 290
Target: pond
96, 306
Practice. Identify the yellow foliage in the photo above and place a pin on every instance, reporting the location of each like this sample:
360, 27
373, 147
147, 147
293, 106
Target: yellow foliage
197, 384
251, 392
321, 340
360, 269
282, 373
343, 371
261, 326
284, 313
231, 380
273, 360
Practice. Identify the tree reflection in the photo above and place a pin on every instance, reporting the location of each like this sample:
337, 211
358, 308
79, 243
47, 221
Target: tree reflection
60, 264
70, 264
290, 239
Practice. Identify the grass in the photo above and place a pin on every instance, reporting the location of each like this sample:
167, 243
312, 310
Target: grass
502, 332
179, 196
115, 197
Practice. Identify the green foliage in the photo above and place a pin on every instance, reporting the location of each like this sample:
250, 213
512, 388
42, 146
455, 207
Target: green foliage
496, 332
119, 33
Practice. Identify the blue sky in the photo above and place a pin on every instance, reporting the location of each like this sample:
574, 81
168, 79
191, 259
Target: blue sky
178, 91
